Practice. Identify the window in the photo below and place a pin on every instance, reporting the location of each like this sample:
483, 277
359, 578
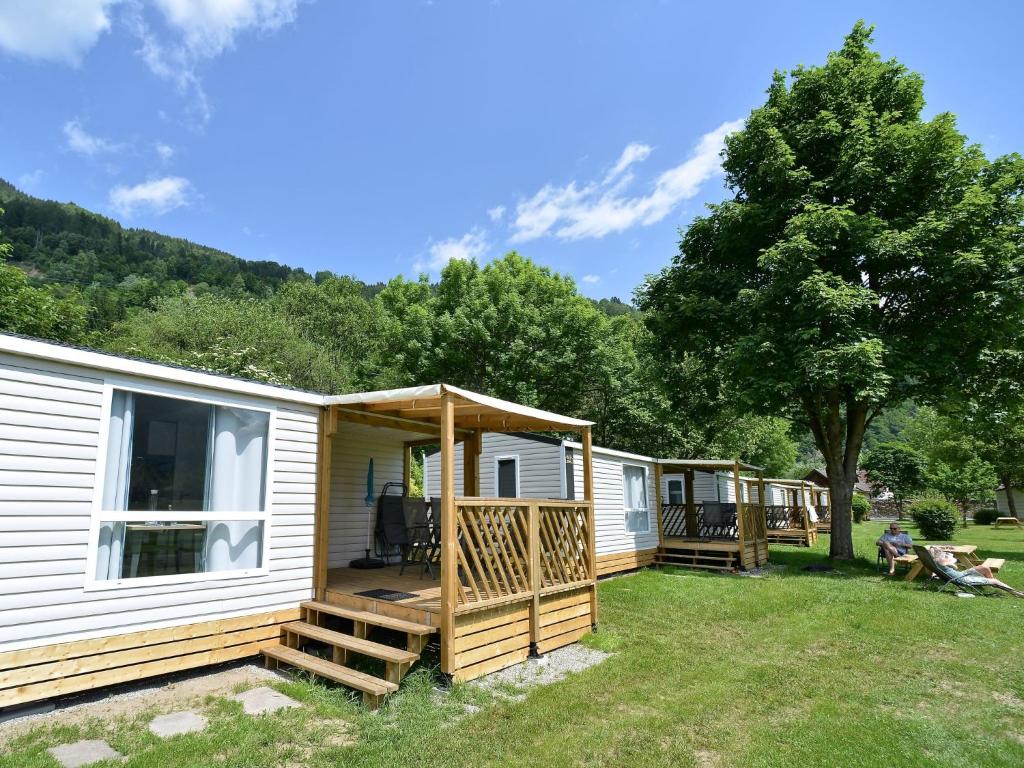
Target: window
675, 492
184, 488
570, 475
634, 483
506, 473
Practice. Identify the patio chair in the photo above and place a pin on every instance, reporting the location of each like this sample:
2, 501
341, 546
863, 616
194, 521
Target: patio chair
423, 534
390, 531
716, 518
946, 578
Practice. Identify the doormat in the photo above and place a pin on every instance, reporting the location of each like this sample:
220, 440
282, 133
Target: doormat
386, 594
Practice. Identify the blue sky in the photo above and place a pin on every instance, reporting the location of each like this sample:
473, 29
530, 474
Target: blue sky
378, 138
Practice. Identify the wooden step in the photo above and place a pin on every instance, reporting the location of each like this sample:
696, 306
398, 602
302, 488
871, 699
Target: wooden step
350, 643
373, 688
374, 619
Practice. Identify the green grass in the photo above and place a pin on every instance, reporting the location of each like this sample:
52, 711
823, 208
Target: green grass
793, 669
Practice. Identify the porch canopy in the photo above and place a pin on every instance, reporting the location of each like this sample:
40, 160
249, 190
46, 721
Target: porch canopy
688, 520
520, 556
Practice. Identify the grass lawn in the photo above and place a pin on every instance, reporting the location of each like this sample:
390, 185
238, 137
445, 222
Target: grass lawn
793, 669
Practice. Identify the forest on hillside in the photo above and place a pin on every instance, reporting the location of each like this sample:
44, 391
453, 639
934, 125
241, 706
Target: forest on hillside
510, 328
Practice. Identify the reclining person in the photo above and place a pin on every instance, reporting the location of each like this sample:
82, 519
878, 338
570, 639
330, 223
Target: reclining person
978, 576
893, 544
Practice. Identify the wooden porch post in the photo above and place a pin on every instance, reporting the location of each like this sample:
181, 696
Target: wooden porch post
322, 520
658, 502
471, 450
407, 467
738, 489
449, 567
588, 496
762, 518
692, 529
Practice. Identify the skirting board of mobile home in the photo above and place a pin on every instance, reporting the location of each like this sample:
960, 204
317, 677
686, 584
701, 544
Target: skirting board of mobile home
495, 638
45, 671
616, 562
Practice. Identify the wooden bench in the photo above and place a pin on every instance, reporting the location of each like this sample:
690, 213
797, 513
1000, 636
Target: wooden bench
995, 563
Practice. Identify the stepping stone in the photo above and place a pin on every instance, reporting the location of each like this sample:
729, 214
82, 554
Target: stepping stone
177, 723
83, 753
259, 701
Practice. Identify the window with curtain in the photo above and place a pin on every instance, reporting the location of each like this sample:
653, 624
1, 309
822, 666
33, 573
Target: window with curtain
634, 483
675, 492
183, 489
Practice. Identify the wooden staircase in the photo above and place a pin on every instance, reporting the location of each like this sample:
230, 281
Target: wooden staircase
296, 637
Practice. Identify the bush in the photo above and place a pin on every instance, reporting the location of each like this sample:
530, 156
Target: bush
861, 507
985, 516
936, 518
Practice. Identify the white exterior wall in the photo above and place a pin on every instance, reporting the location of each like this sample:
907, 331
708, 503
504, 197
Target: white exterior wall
1004, 507
352, 448
707, 486
50, 427
540, 467
610, 503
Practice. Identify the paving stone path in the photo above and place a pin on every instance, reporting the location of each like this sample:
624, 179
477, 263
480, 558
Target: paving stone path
259, 701
81, 753
256, 701
177, 723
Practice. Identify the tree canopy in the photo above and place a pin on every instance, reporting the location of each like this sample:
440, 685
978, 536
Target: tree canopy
866, 256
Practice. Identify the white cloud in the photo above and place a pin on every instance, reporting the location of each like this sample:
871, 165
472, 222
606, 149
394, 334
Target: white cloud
496, 212
156, 196
633, 153
201, 30
591, 279
53, 30
596, 209
30, 180
84, 143
472, 245
164, 151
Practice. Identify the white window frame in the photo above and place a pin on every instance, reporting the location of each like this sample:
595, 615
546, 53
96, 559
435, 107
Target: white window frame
99, 516
497, 461
682, 489
647, 499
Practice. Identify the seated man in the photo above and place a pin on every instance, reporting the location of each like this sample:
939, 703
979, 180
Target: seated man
894, 544
978, 576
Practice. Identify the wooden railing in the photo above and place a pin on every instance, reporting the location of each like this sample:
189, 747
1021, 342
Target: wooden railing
754, 522
514, 549
701, 523
785, 516
824, 513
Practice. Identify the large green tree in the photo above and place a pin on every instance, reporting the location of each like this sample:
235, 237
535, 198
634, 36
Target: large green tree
866, 256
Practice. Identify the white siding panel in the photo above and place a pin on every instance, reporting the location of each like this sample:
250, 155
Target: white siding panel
49, 433
351, 450
539, 467
610, 505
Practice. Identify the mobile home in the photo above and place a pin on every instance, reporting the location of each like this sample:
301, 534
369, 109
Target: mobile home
540, 466
155, 519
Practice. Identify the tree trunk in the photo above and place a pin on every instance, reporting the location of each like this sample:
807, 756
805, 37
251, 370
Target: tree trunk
1010, 503
839, 440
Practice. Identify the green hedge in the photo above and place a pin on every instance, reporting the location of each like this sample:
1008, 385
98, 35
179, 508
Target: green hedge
985, 516
861, 507
935, 516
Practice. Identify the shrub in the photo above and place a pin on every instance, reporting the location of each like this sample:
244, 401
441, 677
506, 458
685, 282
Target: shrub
861, 507
935, 516
985, 516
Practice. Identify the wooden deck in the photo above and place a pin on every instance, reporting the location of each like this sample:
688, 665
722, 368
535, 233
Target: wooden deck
712, 554
345, 584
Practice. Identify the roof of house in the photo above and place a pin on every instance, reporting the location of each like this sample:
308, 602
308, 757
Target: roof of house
707, 465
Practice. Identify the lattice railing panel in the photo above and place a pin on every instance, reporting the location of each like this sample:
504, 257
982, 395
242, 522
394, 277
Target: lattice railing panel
754, 522
493, 551
716, 522
564, 534
784, 516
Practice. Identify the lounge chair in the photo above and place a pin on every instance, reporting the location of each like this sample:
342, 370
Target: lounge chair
390, 531
961, 582
423, 545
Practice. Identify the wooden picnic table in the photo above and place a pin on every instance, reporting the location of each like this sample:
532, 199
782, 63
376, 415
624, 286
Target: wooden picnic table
1013, 522
965, 555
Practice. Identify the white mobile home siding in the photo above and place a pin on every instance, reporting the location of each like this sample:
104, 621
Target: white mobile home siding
540, 467
1004, 507
610, 503
50, 426
352, 448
